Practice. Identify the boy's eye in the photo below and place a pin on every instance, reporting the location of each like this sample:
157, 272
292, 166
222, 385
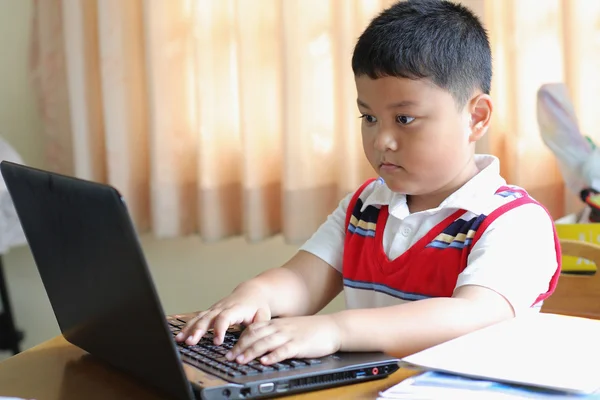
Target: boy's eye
404, 120
369, 118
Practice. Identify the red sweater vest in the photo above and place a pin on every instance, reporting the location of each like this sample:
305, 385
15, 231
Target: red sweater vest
430, 267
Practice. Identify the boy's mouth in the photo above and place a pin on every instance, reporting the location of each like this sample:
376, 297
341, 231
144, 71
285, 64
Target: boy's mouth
389, 167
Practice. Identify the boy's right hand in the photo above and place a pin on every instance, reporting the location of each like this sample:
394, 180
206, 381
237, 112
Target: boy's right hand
243, 306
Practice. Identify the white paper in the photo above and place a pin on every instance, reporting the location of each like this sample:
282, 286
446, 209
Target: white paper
543, 350
432, 385
436, 393
11, 398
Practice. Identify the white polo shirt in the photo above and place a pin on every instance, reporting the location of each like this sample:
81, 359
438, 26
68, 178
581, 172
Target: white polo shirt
516, 255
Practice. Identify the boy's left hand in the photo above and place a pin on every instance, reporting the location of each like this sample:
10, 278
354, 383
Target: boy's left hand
282, 338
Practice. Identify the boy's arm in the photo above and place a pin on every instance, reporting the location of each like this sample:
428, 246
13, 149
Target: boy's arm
508, 268
408, 328
312, 278
302, 286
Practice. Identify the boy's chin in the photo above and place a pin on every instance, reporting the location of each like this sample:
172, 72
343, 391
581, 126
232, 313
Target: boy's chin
401, 187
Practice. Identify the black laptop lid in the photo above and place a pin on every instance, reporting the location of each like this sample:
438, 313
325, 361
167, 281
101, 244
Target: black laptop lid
95, 275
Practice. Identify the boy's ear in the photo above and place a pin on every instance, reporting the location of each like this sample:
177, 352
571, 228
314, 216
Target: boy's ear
480, 109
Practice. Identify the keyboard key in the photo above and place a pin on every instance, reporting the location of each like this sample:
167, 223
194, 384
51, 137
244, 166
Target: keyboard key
280, 366
312, 361
199, 357
247, 370
199, 350
295, 363
232, 364
222, 368
263, 368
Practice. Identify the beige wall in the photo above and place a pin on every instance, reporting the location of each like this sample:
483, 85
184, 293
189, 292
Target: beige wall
189, 274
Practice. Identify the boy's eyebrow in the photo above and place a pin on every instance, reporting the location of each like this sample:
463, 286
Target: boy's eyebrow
362, 104
406, 103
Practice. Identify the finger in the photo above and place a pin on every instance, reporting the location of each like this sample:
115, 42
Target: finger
262, 315
203, 325
250, 335
195, 336
223, 321
285, 351
185, 331
197, 329
264, 345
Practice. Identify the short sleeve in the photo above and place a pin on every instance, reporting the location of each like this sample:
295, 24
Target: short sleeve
327, 242
515, 256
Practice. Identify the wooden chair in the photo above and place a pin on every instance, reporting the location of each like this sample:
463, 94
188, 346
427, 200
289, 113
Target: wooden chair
577, 295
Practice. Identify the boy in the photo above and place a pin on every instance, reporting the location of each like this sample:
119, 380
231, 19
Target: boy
438, 246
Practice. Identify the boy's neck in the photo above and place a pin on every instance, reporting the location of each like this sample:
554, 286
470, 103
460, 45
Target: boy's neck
433, 200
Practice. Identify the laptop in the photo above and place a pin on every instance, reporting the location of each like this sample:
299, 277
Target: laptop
95, 274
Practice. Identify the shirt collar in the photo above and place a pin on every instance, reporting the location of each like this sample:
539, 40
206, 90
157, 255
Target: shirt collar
472, 196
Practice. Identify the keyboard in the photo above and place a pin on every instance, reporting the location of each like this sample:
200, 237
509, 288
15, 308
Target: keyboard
208, 356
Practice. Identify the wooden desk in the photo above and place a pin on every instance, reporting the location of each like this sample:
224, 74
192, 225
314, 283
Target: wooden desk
57, 370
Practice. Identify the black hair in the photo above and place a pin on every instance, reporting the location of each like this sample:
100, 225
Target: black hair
435, 39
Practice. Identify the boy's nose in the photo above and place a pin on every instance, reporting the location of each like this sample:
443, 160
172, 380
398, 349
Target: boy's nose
386, 141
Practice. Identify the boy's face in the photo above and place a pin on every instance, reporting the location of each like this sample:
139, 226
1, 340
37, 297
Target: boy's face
413, 134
